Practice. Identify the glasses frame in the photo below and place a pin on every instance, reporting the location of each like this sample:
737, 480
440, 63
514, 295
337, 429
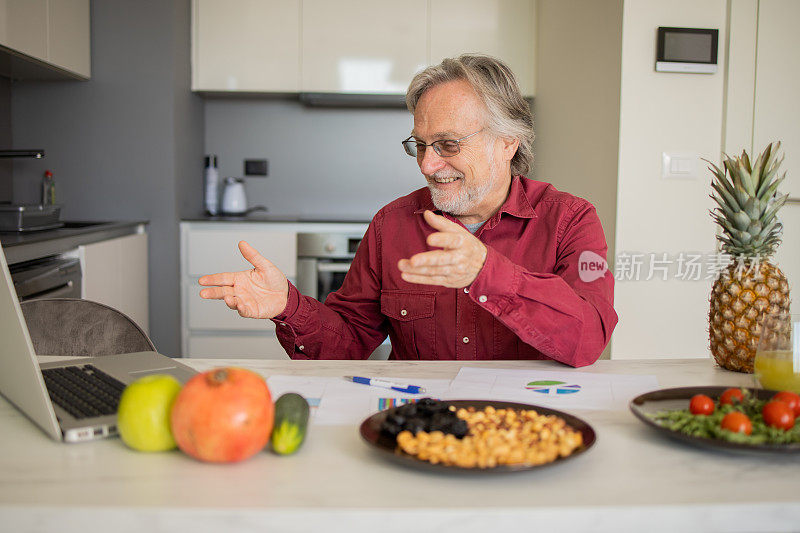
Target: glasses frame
436, 144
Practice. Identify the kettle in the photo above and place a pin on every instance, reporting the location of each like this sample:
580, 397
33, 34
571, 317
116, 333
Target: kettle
234, 199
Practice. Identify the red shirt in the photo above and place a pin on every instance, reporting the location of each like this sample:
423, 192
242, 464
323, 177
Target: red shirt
527, 302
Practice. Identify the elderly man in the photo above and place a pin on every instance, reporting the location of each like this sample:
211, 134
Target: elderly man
482, 264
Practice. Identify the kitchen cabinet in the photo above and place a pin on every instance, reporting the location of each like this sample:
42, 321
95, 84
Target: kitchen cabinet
24, 27
246, 45
761, 103
54, 33
501, 28
351, 46
361, 46
208, 327
115, 273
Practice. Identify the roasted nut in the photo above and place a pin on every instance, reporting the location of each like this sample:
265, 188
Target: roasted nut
495, 437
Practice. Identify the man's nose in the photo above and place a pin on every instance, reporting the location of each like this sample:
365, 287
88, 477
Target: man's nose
431, 161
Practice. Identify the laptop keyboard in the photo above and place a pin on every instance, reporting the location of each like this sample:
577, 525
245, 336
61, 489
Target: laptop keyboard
83, 391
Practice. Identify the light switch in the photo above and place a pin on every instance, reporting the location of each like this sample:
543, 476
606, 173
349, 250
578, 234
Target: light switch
679, 165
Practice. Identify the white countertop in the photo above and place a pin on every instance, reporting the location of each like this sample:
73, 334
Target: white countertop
632, 479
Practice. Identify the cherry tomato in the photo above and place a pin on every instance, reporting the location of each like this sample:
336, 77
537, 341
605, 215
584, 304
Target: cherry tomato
737, 422
791, 399
730, 395
701, 405
778, 415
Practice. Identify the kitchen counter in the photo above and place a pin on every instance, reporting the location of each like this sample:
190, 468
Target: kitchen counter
24, 246
266, 217
632, 479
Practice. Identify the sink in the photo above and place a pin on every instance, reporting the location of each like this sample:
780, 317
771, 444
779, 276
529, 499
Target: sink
76, 225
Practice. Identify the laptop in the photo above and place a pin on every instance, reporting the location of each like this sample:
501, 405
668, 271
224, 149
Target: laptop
60, 414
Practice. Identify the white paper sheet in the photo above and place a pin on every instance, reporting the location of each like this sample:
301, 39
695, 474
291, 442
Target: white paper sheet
568, 389
334, 400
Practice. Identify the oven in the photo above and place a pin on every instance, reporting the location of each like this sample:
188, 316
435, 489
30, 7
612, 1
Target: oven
323, 260
50, 277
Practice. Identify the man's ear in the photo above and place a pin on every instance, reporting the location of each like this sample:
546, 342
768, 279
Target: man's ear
509, 147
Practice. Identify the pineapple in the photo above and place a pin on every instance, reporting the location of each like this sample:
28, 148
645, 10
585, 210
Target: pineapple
751, 287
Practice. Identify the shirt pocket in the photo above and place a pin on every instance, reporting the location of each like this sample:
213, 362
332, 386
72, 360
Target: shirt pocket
410, 315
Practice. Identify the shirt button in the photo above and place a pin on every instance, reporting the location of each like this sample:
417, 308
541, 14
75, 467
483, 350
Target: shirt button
403, 312
301, 347
466, 290
482, 298
465, 339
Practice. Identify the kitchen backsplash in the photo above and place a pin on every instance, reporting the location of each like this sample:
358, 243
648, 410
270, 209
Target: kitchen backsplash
340, 162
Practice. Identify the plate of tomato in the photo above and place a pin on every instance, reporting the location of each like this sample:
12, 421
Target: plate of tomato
724, 417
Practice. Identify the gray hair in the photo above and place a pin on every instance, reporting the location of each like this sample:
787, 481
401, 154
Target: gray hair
509, 113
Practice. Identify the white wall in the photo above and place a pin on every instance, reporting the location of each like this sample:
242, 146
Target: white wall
664, 112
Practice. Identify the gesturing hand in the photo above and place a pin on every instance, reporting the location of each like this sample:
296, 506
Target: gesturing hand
261, 292
458, 262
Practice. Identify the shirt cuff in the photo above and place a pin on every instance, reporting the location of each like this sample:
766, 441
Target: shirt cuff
292, 304
496, 284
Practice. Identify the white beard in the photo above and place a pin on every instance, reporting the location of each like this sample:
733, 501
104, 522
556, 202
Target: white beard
467, 197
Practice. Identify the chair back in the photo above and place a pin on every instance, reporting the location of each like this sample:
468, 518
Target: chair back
75, 328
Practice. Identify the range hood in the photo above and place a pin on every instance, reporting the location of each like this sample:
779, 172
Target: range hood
363, 100
38, 154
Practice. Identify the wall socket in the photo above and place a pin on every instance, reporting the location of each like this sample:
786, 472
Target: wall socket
255, 167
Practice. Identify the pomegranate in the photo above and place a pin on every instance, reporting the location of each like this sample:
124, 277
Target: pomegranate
223, 415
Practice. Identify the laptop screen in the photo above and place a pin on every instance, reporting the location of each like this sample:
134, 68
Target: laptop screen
21, 380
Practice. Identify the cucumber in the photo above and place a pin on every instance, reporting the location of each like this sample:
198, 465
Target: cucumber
291, 423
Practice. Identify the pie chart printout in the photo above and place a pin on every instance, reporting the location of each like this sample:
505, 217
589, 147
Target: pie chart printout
553, 387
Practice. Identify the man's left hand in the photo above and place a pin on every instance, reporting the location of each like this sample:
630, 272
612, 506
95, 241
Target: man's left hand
456, 265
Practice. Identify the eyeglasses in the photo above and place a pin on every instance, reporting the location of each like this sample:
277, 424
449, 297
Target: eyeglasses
443, 147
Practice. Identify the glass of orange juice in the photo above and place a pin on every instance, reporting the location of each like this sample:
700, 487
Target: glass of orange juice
777, 362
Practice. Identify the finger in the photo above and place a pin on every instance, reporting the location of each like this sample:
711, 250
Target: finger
216, 293
222, 278
425, 280
441, 223
433, 258
445, 239
230, 301
253, 257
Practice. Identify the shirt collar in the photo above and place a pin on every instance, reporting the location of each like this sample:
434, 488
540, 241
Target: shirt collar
517, 204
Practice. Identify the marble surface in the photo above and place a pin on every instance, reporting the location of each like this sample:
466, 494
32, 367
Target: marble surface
632, 479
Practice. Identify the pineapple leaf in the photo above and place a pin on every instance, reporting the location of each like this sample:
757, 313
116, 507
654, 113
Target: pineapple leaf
770, 186
745, 178
726, 196
744, 160
773, 209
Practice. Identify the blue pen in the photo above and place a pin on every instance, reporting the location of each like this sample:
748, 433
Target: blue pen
399, 387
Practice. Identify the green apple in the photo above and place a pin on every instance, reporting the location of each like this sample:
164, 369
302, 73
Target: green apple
144, 410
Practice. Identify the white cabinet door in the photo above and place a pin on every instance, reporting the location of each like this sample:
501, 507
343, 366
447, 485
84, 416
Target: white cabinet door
55, 32
246, 45
24, 27
776, 116
68, 35
505, 29
115, 274
209, 328
216, 249
362, 46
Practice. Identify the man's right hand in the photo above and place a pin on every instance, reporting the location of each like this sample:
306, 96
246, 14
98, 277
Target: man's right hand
261, 292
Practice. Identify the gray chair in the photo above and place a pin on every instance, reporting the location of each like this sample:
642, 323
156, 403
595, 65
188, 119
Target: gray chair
75, 327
